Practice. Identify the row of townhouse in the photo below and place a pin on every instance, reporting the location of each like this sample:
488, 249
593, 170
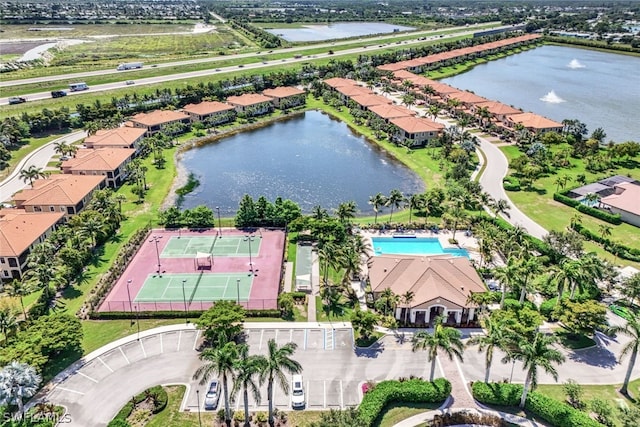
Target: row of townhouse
418, 130
51, 201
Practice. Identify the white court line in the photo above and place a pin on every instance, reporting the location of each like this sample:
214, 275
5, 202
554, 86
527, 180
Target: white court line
276, 337
261, 335
341, 396
179, 337
124, 355
195, 342
105, 365
305, 339
290, 335
324, 391
143, 350
71, 391
87, 377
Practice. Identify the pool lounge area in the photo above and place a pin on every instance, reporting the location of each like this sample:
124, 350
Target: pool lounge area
413, 245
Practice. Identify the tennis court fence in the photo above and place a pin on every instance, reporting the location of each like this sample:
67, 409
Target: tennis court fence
179, 306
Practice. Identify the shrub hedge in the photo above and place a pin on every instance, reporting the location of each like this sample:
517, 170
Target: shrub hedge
511, 183
610, 218
557, 413
166, 314
623, 251
413, 390
161, 402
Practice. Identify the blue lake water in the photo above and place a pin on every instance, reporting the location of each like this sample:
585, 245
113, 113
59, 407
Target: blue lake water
338, 30
310, 159
600, 89
412, 246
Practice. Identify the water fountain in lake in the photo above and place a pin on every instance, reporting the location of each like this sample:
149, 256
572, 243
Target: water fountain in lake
575, 64
552, 98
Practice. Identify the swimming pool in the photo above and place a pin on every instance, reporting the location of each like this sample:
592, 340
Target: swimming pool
412, 246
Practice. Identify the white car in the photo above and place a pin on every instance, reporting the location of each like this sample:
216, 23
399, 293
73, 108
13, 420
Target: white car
297, 392
213, 395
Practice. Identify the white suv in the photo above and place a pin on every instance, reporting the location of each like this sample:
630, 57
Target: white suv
297, 392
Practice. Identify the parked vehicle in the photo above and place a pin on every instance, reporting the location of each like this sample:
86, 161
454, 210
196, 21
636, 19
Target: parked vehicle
297, 392
129, 66
130, 82
58, 93
75, 87
213, 395
17, 100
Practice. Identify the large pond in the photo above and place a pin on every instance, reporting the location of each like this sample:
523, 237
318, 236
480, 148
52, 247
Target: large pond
310, 159
338, 30
600, 89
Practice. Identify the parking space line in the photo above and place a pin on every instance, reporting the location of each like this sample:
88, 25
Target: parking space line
291, 335
261, 335
87, 377
308, 389
195, 342
143, 350
276, 337
305, 339
105, 365
324, 392
161, 349
324, 340
341, 396
71, 391
124, 355
179, 336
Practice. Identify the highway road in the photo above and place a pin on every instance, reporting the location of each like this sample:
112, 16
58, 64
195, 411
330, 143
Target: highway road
369, 44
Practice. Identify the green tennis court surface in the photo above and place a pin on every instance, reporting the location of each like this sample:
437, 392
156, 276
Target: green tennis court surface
187, 247
197, 287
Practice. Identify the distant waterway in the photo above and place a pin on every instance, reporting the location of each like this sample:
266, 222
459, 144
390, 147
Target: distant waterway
311, 159
338, 30
600, 89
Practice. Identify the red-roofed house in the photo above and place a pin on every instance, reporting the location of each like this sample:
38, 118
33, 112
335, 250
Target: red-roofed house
337, 82
625, 201
20, 231
109, 162
441, 286
532, 122
367, 101
157, 120
286, 96
387, 112
496, 109
211, 112
122, 137
251, 104
418, 130
59, 193
347, 92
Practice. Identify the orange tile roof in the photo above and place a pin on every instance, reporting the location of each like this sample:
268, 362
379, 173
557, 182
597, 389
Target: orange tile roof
20, 229
497, 108
354, 90
283, 92
417, 124
122, 136
158, 117
626, 198
391, 67
207, 107
391, 111
248, 99
428, 277
370, 100
58, 190
534, 121
336, 82
99, 159
467, 97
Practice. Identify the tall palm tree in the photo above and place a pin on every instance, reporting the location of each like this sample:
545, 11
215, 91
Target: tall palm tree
377, 201
632, 330
507, 276
529, 267
394, 200
19, 289
32, 173
501, 206
220, 362
346, 211
91, 227
278, 361
414, 201
494, 337
604, 230
18, 381
246, 369
407, 299
8, 322
443, 338
535, 354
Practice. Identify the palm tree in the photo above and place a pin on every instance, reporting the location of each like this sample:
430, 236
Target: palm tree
407, 299
389, 299
19, 289
119, 198
507, 276
394, 201
8, 322
575, 220
377, 201
632, 330
278, 361
415, 201
220, 362
32, 173
346, 211
604, 230
501, 206
17, 382
534, 354
91, 227
529, 267
494, 337
443, 338
247, 368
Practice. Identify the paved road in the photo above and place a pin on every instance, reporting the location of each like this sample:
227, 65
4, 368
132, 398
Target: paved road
39, 158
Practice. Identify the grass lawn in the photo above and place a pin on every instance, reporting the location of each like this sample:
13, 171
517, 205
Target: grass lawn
375, 336
574, 342
341, 312
30, 144
398, 411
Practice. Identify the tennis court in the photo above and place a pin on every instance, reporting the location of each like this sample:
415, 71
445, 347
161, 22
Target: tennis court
197, 287
230, 246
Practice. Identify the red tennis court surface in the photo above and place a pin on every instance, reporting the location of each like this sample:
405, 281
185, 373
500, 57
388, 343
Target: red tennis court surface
267, 266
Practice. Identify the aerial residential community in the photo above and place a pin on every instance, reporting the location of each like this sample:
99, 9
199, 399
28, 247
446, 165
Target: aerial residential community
319, 213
